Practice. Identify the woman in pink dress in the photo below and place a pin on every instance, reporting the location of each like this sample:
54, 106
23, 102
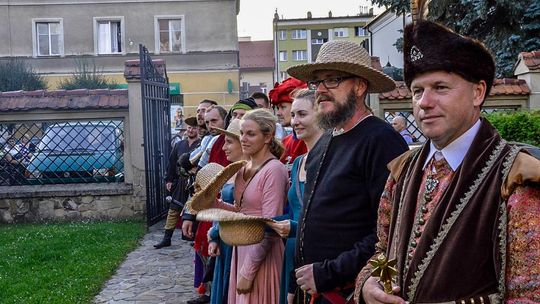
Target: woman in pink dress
260, 190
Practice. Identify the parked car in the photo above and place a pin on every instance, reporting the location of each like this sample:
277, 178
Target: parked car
79, 152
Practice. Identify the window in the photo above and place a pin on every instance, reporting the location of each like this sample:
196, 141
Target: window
299, 34
283, 75
299, 55
282, 35
341, 32
48, 37
108, 35
359, 31
317, 41
282, 55
169, 34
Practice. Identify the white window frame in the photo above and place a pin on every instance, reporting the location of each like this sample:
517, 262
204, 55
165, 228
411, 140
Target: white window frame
341, 32
157, 48
317, 41
282, 35
284, 57
120, 19
299, 55
283, 75
35, 46
360, 28
299, 34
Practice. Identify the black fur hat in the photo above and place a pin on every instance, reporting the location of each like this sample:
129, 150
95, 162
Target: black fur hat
428, 46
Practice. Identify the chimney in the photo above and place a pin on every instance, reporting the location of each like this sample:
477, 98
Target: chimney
329, 14
309, 15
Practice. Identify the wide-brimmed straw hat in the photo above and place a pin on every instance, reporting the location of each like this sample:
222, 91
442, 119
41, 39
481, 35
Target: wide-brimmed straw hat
348, 57
209, 181
233, 129
235, 228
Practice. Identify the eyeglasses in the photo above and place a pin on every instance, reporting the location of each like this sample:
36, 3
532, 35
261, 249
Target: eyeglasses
329, 83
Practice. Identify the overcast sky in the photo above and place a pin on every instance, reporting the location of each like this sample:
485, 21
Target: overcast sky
255, 17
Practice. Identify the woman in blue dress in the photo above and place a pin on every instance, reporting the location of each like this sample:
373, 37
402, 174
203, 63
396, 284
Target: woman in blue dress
304, 123
216, 248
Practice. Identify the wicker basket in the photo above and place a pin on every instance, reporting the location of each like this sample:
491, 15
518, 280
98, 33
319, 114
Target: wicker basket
236, 229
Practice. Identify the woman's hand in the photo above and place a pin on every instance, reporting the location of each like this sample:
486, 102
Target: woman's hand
213, 249
243, 286
281, 227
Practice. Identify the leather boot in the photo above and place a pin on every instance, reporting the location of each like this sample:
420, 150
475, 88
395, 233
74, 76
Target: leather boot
166, 242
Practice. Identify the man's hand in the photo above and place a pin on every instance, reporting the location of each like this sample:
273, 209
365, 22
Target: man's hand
213, 249
187, 227
373, 293
168, 186
281, 227
243, 285
290, 298
305, 278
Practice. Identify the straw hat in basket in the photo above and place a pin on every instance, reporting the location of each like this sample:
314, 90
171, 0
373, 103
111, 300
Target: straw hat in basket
209, 181
233, 130
235, 228
348, 57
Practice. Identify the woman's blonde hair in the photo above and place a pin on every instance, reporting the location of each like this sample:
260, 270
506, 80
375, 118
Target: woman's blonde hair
267, 124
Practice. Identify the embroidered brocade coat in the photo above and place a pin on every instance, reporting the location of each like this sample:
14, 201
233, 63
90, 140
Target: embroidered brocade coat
462, 252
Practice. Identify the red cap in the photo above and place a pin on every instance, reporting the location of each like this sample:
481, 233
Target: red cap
281, 91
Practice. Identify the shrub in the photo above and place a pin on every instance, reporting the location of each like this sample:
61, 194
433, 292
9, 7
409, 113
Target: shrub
86, 76
16, 75
520, 126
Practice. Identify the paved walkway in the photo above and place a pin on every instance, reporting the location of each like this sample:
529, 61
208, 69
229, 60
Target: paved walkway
150, 275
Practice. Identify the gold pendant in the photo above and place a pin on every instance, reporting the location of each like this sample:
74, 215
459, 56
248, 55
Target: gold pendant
384, 270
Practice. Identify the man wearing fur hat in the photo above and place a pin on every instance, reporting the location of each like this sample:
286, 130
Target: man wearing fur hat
346, 170
459, 217
280, 96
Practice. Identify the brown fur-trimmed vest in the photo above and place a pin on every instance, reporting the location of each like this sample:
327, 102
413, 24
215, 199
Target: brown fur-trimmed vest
461, 253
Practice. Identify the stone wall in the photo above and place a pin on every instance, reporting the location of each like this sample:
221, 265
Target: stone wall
66, 203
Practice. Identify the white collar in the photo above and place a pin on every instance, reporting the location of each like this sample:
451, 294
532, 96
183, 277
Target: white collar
454, 153
336, 132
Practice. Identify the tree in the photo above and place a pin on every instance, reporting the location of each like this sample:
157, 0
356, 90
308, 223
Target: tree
506, 27
16, 75
86, 76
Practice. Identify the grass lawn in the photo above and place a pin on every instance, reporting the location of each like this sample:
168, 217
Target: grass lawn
62, 262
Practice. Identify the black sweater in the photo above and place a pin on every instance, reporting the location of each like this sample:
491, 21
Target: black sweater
340, 216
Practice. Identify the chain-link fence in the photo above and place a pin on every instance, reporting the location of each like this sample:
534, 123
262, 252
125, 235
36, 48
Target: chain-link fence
61, 152
415, 131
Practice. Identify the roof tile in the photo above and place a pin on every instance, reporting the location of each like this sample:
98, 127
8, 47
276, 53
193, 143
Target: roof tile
501, 87
256, 54
531, 59
62, 99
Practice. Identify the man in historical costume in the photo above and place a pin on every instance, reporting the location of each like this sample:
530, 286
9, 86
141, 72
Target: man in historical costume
176, 182
280, 97
346, 170
461, 214
239, 109
211, 152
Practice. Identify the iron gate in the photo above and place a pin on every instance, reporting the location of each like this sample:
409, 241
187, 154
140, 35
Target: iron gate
157, 125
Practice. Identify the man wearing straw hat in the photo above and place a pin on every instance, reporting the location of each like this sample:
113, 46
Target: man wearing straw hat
346, 170
459, 220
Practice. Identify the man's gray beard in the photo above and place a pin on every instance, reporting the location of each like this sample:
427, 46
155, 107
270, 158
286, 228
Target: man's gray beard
341, 113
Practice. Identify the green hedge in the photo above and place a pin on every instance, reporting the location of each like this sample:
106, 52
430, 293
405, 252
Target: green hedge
518, 126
